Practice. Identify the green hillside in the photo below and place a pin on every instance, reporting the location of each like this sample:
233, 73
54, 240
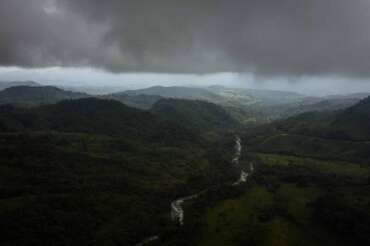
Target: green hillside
91, 115
177, 92
36, 95
310, 186
92, 171
342, 135
199, 115
7, 84
247, 97
136, 101
355, 121
96, 172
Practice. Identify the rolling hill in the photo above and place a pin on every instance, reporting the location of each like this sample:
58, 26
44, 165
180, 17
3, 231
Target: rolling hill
178, 92
5, 85
250, 107
342, 134
247, 97
97, 172
355, 121
94, 171
310, 185
92, 115
141, 101
194, 114
36, 95
221, 95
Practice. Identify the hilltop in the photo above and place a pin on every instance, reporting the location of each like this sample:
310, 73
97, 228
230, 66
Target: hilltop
35, 95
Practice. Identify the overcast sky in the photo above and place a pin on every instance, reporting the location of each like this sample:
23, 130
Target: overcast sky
315, 46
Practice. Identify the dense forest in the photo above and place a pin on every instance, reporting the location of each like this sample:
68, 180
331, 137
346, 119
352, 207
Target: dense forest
82, 170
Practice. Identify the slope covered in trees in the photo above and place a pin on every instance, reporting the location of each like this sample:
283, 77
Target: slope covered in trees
35, 95
97, 172
93, 172
310, 186
194, 114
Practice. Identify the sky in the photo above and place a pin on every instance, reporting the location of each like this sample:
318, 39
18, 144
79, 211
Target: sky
314, 47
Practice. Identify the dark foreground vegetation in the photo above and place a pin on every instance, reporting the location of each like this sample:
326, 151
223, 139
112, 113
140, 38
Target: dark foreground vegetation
95, 172
90, 171
310, 187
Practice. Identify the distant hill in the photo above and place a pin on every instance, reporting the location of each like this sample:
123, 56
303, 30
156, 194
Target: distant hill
308, 105
329, 104
141, 101
195, 114
177, 92
244, 96
35, 95
248, 106
221, 95
92, 115
359, 95
94, 89
5, 85
350, 123
342, 134
268, 105
354, 121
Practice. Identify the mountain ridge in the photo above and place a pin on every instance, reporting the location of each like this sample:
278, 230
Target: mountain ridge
35, 95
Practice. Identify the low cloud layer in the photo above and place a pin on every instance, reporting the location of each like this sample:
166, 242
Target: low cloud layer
265, 37
109, 82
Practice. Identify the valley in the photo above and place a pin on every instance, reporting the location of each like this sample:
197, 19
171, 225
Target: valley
184, 123
182, 171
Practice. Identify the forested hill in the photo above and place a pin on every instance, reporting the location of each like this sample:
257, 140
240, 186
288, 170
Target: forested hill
355, 121
195, 114
92, 115
136, 101
177, 92
351, 123
5, 85
35, 95
342, 134
97, 172
310, 185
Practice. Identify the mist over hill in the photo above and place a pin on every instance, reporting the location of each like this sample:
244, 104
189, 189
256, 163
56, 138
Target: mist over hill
5, 85
35, 95
245, 105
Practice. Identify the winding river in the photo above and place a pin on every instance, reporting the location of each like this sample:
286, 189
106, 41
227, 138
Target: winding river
177, 211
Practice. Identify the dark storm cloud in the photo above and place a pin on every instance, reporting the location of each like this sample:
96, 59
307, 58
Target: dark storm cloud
39, 33
268, 37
